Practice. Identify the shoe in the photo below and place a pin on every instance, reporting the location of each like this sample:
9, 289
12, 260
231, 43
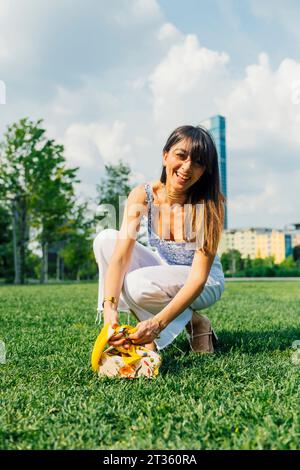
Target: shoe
202, 337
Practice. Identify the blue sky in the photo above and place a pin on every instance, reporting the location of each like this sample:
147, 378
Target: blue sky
243, 28
113, 79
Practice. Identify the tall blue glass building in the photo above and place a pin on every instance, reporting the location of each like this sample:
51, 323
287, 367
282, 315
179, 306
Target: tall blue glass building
217, 128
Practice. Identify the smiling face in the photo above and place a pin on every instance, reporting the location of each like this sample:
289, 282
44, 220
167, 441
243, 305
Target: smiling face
181, 171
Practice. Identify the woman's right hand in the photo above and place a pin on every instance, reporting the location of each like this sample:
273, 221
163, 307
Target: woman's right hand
111, 316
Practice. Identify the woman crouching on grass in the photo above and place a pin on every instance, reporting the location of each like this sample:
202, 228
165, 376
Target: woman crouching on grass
185, 213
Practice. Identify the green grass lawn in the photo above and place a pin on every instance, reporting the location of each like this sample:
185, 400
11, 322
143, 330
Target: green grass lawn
245, 396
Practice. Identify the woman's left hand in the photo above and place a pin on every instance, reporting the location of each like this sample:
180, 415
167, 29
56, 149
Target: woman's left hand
146, 332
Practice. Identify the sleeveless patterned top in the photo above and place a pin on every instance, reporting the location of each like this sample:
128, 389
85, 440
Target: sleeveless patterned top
171, 251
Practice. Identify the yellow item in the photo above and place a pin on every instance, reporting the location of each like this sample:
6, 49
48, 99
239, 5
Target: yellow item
106, 332
133, 362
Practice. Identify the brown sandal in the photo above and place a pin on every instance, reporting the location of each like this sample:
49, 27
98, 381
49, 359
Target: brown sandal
204, 341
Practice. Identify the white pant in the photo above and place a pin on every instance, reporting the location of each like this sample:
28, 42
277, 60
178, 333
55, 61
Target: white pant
150, 283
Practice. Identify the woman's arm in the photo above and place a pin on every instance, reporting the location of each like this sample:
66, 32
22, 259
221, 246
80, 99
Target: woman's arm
190, 291
148, 330
121, 256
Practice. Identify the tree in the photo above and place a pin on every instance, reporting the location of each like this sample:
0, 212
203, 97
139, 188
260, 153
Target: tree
6, 247
296, 253
17, 154
77, 253
225, 262
52, 200
288, 267
258, 267
232, 261
113, 185
35, 180
248, 266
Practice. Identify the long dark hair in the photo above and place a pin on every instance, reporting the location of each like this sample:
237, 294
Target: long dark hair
207, 189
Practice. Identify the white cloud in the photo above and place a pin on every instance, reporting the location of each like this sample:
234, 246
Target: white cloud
183, 83
113, 81
145, 9
88, 100
263, 122
135, 12
286, 16
169, 33
260, 107
274, 205
93, 144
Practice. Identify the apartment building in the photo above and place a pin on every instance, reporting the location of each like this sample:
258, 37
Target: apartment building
257, 243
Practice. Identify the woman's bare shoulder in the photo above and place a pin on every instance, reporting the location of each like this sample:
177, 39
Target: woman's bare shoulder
138, 194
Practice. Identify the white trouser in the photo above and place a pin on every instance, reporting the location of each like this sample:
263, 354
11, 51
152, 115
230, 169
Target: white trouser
150, 284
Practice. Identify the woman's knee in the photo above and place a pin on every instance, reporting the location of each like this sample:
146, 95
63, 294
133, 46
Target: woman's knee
142, 290
99, 240
210, 295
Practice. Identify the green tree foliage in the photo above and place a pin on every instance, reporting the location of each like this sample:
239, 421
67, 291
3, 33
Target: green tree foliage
296, 253
114, 184
258, 267
288, 267
77, 252
6, 246
16, 153
232, 261
34, 178
53, 198
263, 267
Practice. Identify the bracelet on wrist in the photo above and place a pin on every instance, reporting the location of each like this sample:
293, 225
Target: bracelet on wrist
160, 327
160, 323
111, 299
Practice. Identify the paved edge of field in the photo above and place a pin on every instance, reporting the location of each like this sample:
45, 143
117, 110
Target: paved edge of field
262, 279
